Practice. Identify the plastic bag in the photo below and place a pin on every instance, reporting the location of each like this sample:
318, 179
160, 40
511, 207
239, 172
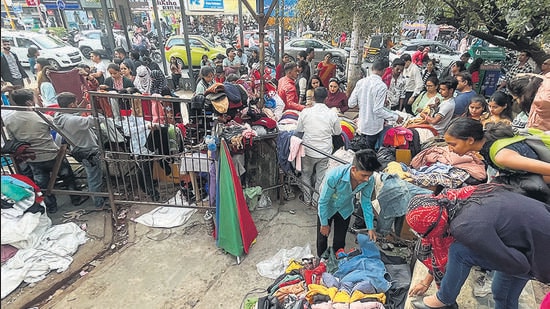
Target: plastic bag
265, 202
275, 266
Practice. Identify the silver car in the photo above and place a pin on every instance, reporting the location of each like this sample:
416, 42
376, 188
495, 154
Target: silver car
438, 50
294, 46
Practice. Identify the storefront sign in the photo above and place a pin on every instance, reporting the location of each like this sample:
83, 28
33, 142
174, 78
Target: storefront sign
90, 4
168, 5
205, 5
33, 3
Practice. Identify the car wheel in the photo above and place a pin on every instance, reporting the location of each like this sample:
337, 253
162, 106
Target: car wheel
54, 64
85, 50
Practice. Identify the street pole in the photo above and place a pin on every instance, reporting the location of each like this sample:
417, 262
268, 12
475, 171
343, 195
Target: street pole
241, 35
161, 37
108, 27
282, 49
187, 46
9, 14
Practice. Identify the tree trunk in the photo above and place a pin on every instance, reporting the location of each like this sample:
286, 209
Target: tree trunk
354, 61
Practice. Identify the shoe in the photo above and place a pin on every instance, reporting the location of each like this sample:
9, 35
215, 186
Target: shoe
51, 209
80, 200
481, 285
419, 304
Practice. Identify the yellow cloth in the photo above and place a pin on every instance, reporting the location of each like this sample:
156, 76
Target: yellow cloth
395, 168
292, 265
358, 295
314, 289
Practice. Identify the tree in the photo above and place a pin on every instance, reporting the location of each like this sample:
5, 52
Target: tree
514, 24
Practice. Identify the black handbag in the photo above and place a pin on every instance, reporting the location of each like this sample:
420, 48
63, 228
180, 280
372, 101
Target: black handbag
80, 154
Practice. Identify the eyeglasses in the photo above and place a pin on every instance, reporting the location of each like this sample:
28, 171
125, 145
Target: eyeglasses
432, 226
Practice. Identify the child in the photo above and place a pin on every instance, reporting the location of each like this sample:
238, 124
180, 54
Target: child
336, 199
444, 111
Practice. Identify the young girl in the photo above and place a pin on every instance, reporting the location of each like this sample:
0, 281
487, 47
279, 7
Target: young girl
500, 106
477, 109
313, 83
175, 68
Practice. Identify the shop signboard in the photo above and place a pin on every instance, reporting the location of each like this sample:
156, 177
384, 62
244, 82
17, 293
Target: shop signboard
205, 5
32, 3
168, 5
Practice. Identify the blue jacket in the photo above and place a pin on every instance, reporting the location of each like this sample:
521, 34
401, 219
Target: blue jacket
337, 196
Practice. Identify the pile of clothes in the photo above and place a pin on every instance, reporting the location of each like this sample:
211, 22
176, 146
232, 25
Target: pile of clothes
354, 279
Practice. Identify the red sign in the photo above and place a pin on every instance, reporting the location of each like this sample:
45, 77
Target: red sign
33, 2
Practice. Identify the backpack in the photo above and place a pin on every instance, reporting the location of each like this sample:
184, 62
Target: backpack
537, 139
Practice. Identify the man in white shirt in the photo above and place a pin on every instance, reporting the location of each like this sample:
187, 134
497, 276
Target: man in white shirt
370, 95
413, 82
319, 124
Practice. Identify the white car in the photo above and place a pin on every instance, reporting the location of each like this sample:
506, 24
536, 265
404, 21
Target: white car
294, 46
58, 53
438, 50
89, 40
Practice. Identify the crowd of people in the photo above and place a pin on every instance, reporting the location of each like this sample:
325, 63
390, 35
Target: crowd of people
453, 224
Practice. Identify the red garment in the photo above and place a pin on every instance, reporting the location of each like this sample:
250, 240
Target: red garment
417, 58
423, 212
326, 72
475, 77
279, 71
338, 100
287, 91
398, 137
387, 76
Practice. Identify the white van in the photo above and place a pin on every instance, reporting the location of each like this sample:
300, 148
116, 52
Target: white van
59, 54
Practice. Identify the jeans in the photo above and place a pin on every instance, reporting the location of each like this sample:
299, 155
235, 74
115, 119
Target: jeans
384, 225
506, 288
94, 176
313, 172
41, 175
339, 228
176, 80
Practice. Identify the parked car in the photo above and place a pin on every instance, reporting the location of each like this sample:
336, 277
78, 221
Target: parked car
58, 53
175, 46
293, 47
439, 51
91, 39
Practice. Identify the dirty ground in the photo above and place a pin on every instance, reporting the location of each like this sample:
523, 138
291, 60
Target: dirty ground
182, 267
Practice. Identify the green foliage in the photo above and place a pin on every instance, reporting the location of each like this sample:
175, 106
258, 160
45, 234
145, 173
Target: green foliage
516, 24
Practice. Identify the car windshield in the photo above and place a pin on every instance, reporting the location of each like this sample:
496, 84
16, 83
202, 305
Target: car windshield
48, 42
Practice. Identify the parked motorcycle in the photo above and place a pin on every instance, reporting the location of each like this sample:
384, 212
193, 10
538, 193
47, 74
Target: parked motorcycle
156, 45
72, 37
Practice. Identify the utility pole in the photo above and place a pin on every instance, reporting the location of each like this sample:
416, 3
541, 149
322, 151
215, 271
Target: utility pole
9, 14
